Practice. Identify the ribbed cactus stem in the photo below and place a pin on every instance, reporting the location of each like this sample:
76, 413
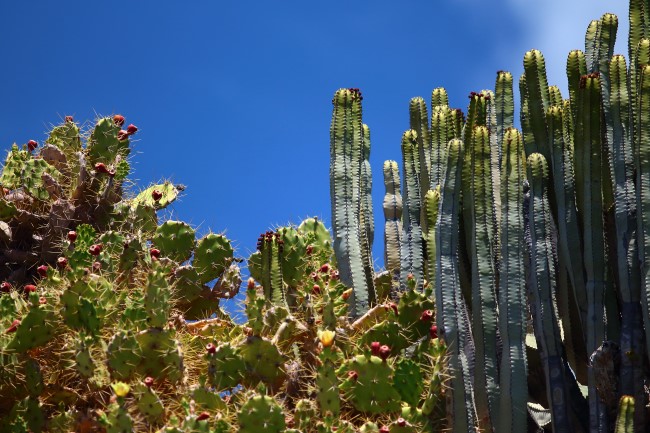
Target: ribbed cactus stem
512, 289
576, 67
541, 286
431, 204
366, 219
439, 98
451, 310
419, 122
625, 418
412, 253
538, 99
591, 45
484, 303
346, 144
504, 104
393, 215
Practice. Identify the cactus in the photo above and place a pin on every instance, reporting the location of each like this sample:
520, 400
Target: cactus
260, 413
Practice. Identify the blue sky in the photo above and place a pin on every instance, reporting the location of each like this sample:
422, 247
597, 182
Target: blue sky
233, 98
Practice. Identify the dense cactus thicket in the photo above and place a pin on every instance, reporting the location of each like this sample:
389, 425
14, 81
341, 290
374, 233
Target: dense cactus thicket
516, 294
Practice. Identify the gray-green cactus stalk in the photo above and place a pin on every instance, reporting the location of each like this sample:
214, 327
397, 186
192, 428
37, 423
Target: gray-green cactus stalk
393, 215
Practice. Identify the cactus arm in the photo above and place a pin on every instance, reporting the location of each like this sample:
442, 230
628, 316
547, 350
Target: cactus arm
512, 289
432, 204
495, 161
449, 301
555, 95
419, 122
366, 219
484, 318
576, 67
345, 155
541, 277
439, 98
592, 46
440, 135
524, 117
393, 215
637, 30
412, 254
504, 104
625, 418
538, 99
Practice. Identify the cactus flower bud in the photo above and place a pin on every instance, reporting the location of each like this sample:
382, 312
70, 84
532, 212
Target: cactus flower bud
210, 348
118, 119
156, 194
29, 288
72, 235
401, 422
393, 306
42, 270
95, 249
42, 300
327, 338
61, 262
148, 381
374, 348
5, 287
13, 327
250, 284
325, 268
315, 289
384, 352
121, 389
346, 295
131, 129
31, 145
433, 332
309, 250
154, 252
353, 375
69, 119
122, 135
203, 416
384, 429
426, 316
97, 266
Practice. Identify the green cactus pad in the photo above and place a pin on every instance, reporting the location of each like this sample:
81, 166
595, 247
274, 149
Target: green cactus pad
293, 258
211, 256
408, 381
317, 235
206, 399
31, 177
36, 328
118, 420
410, 307
255, 266
123, 355
103, 145
161, 355
327, 394
226, 367
372, 392
169, 194
33, 378
13, 168
305, 414
7, 210
156, 299
388, 333
175, 239
149, 404
261, 414
83, 360
65, 137
187, 287
264, 361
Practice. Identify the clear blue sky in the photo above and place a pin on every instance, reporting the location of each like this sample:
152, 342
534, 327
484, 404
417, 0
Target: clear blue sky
233, 98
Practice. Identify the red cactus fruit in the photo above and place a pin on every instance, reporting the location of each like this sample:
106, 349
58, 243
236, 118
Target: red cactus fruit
203, 416
29, 288
5, 287
61, 262
148, 381
122, 135
314, 276
156, 194
335, 275
325, 268
95, 249
250, 284
384, 352
72, 235
316, 289
69, 119
118, 119
13, 327
154, 252
426, 316
393, 306
384, 429
210, 348
42, 270
353, 375
346, 295
374, 348
97, 266
401, 422
31, 145
100, 167
433, 332
131, 129
309, 250
42, 300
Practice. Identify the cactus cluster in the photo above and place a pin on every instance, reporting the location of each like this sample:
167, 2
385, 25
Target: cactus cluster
111, 319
